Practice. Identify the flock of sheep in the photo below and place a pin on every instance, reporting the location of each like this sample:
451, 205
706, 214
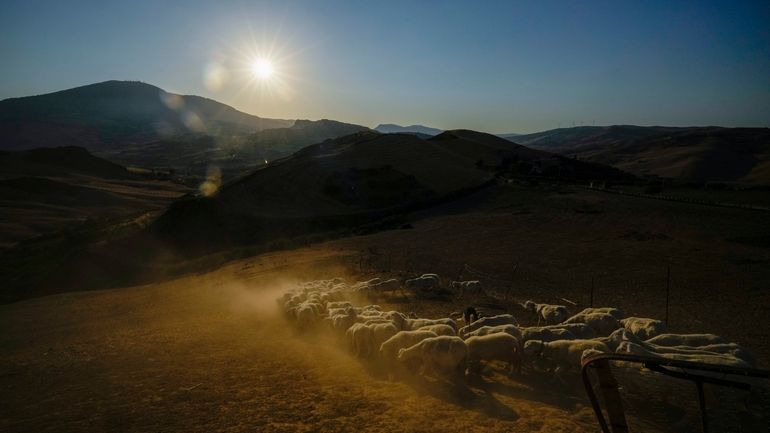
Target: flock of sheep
452, 347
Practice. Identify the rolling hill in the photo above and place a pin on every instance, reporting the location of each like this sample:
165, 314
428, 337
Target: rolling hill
110, 114
352, 180
59, 161
192, 155
691, 154
51, 189
390, 128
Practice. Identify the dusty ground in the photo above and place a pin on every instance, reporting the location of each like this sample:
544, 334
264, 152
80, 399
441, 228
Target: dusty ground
208, 352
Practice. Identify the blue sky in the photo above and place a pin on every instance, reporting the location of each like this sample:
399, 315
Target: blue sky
505, 66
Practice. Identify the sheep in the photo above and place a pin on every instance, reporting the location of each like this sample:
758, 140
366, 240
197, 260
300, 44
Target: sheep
494, 347
365, 339
415, 324
614, 312
470, 315
338, 304
642, 327
487, 330
602, 323
686, 339
708, 358
384, 286
613, 340
425, 281
500, 319
550, 314
466, 286
403, 339
545, 334
341, 322
579, 330
442, 354
306, 316
731, 349
565, 354
439, 329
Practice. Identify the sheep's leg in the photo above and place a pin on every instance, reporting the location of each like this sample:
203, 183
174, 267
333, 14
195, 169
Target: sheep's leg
557, 375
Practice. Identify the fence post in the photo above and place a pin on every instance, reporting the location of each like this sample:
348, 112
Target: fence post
592, 291
668, 290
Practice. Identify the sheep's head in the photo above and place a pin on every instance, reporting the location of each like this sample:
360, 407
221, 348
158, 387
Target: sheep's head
401, 354
589, 353
533, 348
529, 306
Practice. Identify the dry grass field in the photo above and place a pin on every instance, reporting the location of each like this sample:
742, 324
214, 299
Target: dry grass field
210, 352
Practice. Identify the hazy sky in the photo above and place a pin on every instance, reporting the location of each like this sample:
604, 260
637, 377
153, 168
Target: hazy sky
508, 66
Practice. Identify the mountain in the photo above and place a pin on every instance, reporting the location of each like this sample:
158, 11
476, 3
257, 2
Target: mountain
509, 136
389, 128
689, 153
114, 113
353, 180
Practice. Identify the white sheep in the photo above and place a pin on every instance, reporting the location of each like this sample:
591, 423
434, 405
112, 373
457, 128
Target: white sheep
602, 323
439, 329
365, 339
466, 286
425, 281
415, 324
614, 312
338, 304
550, 314
579, 330
545, 334
486, 330
494, 347
500, 319
564, 354
693, 340
442, 354
730, 349
642, 327
708, 358
381, 287
306, 315
403, 339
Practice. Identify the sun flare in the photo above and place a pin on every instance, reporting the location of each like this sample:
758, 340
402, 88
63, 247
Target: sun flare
262, 69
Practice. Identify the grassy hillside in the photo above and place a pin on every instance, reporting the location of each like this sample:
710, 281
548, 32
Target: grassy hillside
354, 179
193, 155
46, 190
690, 154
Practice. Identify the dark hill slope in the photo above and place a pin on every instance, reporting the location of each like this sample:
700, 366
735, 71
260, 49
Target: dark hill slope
59, 161
113, 113
692, 154
194, 154
349, 181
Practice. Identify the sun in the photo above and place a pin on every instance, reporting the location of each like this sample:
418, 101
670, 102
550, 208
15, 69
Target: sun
262, 69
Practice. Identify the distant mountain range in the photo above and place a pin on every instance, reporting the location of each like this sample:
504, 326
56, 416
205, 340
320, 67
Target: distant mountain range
115, 113
387, 128
689, 153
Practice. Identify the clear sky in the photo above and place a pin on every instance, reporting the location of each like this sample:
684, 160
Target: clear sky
507, 66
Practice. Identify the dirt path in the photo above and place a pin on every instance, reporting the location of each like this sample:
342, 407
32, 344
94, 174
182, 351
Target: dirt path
209, 353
